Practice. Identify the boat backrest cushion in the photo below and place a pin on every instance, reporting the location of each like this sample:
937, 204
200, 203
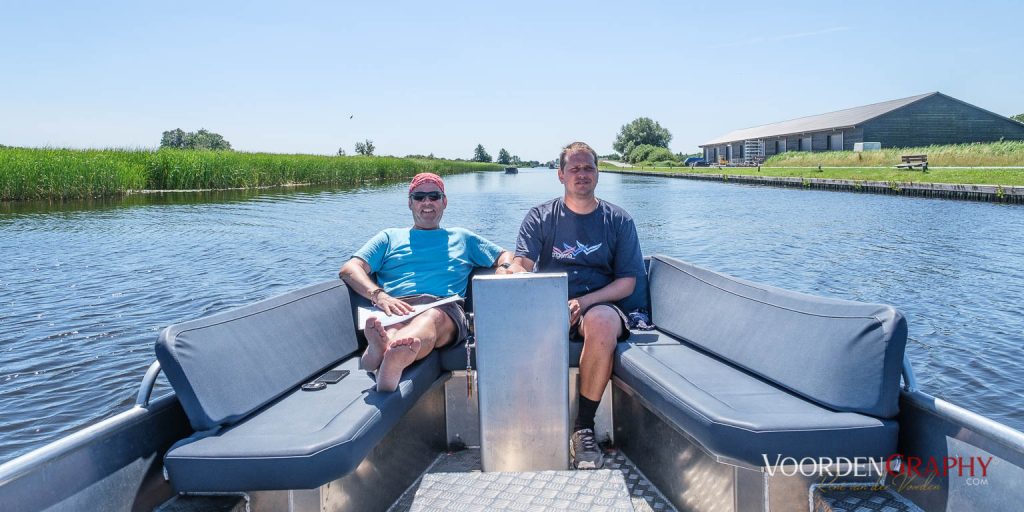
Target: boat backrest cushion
844, 355
640, 298
225, 366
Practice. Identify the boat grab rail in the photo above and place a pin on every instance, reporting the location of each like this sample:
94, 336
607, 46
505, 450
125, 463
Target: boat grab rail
968, 421
909, 381
147, 384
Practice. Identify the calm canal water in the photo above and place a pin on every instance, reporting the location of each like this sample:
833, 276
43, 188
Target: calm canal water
85, 289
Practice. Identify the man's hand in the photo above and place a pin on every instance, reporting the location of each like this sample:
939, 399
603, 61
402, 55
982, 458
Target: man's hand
519, 264
392, 306
576, 307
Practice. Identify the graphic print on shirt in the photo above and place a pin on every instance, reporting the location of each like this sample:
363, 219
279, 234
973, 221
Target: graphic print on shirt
569, 252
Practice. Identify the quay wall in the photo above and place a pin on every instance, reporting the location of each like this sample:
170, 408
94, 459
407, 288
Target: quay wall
965, 192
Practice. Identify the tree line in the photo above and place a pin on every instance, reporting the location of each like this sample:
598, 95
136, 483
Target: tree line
504, 157
202, 139
641, 141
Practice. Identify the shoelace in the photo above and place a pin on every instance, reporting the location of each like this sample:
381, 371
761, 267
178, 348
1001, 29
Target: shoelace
587, 440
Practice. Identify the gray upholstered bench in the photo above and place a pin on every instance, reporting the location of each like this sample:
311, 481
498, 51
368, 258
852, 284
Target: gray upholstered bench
237, 375
746, 369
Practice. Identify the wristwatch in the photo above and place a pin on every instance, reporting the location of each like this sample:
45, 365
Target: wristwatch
373, 295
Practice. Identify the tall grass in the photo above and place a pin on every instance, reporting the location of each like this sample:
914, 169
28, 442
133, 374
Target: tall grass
992, 154
27, 173
61, 173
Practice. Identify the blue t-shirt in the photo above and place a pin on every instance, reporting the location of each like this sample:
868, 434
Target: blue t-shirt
592, 249
411, 261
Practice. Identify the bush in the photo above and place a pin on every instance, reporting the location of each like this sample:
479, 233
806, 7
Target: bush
661, 155
640, 153
648, 153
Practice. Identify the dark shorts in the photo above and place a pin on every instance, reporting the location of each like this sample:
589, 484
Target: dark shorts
454, 310
574, 329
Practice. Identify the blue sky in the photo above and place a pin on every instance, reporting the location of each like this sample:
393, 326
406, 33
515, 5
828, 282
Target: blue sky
441, 77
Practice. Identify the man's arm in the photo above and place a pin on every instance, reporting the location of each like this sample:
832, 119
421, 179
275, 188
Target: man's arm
615, 291
504, 257
519, 264
356, 274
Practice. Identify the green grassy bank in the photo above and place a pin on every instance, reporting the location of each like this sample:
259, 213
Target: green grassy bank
27, 173
965, 162
994, 154
965, 176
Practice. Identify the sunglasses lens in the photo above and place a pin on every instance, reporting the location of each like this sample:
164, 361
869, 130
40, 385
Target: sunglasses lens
419, 196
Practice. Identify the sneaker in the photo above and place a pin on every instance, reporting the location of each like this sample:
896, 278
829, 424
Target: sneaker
584, 451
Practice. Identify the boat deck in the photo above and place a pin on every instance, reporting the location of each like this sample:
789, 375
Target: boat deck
857, 497
482, 491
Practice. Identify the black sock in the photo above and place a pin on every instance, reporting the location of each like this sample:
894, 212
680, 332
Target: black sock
587, 409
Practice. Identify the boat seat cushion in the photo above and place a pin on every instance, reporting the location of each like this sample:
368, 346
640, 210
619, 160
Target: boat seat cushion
843, 355
225, 366
302, 440
737, 415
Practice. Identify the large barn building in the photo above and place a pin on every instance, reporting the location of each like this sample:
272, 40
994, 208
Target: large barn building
922, 120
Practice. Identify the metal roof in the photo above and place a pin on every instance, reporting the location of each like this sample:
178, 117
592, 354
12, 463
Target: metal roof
838, 119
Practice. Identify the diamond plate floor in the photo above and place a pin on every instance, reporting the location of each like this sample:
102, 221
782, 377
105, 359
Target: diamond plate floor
643, 496
859, 498
596, 491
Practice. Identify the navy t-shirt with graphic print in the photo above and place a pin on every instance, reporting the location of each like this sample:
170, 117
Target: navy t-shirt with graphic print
592, 249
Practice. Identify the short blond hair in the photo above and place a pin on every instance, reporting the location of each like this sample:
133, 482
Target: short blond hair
575, 146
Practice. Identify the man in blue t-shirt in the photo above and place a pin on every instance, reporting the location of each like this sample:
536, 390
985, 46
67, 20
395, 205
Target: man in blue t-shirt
416, 265
595, 243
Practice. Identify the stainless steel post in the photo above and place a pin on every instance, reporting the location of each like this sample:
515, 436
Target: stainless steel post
522, 361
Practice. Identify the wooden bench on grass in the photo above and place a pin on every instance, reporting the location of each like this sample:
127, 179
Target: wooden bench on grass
912, 161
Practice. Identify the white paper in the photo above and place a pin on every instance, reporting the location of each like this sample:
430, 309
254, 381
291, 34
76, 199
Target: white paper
364, 313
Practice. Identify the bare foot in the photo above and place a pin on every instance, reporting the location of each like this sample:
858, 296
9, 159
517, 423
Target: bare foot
377, 342
400, 354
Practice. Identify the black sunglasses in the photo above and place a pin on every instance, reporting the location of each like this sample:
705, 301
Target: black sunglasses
433, 196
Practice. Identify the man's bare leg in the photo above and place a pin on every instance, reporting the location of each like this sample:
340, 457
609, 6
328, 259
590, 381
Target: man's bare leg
429, 330
600, 328
376, 343
400, 353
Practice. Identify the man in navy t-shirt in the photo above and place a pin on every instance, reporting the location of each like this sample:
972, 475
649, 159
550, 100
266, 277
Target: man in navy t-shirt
595, 243
416, 265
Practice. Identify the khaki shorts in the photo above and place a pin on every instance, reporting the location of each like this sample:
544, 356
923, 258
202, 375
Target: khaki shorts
454, 310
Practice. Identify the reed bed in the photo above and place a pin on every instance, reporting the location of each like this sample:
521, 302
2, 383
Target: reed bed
28, 173
992, 154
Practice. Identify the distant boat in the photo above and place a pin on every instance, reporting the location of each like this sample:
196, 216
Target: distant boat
511, 170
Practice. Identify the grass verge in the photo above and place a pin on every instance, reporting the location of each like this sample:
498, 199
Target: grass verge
30, 173
992, 154
962, 176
